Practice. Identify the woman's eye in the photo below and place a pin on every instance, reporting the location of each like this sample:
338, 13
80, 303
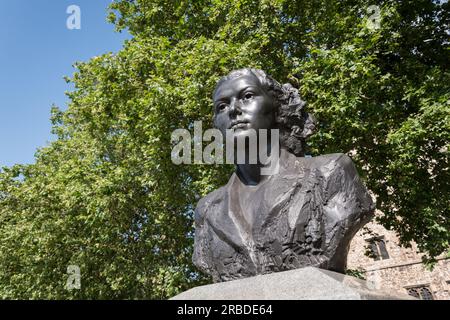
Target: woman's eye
221, 106
248, 96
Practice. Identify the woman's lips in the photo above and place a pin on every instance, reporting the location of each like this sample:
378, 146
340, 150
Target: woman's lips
239, 125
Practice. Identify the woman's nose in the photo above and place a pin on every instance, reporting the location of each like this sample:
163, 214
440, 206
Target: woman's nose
235, 107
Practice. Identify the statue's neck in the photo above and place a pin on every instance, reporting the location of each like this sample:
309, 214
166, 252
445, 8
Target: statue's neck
250, 174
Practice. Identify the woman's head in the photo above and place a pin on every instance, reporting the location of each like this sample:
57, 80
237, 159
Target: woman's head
251, 99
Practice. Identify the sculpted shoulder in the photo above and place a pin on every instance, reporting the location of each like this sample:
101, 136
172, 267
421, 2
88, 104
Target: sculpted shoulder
329, 162
206, 201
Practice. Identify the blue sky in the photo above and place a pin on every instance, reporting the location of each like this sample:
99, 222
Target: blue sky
36, 51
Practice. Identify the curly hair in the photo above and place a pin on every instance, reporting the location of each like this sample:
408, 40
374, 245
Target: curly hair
294, 123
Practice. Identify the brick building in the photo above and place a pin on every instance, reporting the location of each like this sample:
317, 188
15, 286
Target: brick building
375, 251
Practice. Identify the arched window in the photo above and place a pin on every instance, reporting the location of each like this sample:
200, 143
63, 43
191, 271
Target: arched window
420, 292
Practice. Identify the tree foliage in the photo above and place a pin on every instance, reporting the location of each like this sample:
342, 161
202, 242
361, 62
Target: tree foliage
105, 195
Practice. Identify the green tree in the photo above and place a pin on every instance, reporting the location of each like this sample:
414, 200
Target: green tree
105, 195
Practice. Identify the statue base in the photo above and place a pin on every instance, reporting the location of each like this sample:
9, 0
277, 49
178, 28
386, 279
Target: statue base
300, 284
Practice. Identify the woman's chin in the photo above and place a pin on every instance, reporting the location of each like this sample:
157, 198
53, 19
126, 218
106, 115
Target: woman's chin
243, 135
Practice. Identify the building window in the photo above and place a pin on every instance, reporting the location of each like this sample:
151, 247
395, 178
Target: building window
420, 292
377, 248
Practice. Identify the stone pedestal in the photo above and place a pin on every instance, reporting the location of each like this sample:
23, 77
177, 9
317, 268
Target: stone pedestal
300, 284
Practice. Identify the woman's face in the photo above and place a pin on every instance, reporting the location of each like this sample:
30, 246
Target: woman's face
241, 104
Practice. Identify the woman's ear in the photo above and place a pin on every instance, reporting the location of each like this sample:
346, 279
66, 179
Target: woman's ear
309, 128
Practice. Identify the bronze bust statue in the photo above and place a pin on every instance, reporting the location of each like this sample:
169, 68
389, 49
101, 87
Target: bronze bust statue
304, 215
